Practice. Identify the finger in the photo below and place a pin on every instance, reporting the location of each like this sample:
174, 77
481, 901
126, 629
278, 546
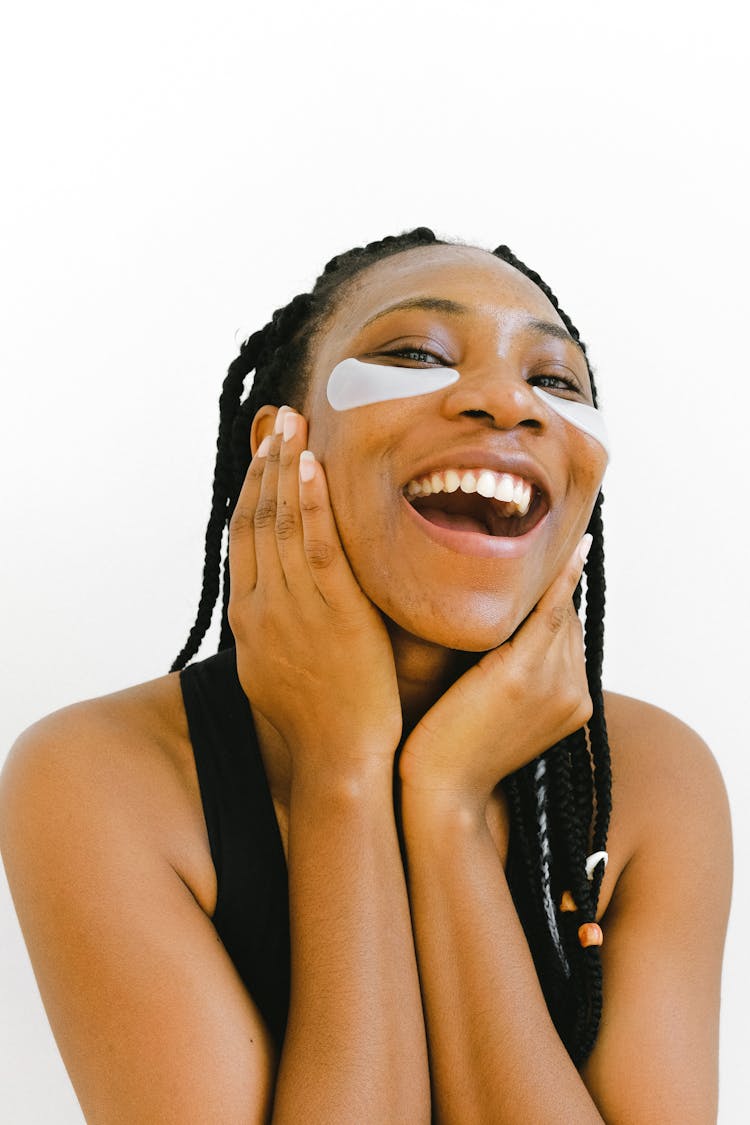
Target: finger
555, 612
266, 550
289, 535
242, 560
324, 552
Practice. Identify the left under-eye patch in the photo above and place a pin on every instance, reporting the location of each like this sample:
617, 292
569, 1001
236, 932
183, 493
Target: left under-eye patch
580, 414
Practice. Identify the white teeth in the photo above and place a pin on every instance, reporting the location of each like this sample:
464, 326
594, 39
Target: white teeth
486, 483
500, 486
504, 488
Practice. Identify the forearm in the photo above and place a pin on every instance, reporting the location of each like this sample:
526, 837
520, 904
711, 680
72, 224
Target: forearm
355, 1047
495, 1055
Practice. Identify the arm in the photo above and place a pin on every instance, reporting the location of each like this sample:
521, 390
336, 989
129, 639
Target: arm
151, 1017
494, 1053
322, 685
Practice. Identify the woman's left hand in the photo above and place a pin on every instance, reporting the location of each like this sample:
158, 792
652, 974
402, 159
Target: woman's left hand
516, 702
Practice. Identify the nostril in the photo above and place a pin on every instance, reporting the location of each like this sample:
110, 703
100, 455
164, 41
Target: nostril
476, 414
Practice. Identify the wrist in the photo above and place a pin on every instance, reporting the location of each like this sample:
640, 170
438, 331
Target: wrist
429, 803
348, 778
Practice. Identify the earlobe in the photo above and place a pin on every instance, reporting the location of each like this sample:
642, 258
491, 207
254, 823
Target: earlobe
262, 426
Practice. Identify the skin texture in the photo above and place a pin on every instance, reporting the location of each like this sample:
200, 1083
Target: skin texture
412, 1000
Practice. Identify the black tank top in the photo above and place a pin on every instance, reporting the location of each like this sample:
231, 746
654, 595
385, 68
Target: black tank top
252, 906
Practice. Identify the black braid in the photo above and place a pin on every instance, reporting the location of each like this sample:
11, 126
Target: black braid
575, 773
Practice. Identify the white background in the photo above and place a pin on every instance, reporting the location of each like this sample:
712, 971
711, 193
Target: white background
174, 172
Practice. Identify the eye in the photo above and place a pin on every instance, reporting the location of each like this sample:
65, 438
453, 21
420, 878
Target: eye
556, 383
419, 355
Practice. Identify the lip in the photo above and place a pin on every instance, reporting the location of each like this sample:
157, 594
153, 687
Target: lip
479, 457
473, 542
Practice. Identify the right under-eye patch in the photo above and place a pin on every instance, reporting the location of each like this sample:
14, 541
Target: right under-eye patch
354, 383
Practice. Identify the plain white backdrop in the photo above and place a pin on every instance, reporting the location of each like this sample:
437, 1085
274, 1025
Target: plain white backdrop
175, 172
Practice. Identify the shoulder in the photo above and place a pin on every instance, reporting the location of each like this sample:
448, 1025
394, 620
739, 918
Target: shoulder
127, 756
664, 765
672, 793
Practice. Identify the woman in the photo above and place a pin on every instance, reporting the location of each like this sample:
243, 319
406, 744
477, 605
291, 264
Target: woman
395, 774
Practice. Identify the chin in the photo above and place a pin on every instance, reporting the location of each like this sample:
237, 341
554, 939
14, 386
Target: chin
476, 628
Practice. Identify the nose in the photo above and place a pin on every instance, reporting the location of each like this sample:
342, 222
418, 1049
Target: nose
497, 393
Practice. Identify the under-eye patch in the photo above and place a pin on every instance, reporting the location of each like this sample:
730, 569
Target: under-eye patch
353, 383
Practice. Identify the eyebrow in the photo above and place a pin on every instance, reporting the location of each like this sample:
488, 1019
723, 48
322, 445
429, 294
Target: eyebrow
454, 308
432, 304
549, 328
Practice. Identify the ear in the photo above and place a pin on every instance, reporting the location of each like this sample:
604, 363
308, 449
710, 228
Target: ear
262, 425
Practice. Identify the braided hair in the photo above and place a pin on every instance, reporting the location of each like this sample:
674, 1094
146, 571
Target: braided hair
560, 803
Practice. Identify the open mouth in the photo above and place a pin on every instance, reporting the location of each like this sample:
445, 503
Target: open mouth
481, 501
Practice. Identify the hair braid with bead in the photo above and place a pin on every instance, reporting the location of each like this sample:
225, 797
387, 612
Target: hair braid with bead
551, 799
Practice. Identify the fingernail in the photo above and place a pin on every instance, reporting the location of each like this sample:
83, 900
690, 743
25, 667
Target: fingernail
306, 465
585, 546
290, 425
262, 449
278, 425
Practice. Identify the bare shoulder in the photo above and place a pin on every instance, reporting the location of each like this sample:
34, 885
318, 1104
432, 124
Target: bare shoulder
128, 752
656, 1055
105, 848
663, 766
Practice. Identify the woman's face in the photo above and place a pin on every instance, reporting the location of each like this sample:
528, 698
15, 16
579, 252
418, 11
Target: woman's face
424, 572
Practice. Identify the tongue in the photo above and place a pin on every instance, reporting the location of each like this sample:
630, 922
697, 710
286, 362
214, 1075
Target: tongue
454, 520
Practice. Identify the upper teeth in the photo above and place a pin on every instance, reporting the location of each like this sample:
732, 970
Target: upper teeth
504, 487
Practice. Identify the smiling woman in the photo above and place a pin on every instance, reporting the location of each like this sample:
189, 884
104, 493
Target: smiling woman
391, 854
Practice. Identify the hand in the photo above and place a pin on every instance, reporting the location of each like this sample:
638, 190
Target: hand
313, 654
516, 702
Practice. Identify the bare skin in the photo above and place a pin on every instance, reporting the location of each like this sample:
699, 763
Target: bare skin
426, 992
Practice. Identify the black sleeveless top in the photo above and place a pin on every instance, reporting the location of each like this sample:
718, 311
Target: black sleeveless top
252, 906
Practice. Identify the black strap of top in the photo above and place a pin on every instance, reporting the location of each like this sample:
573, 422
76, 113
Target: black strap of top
252, 908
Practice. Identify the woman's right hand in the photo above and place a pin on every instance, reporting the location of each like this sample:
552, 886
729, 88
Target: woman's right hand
313, 653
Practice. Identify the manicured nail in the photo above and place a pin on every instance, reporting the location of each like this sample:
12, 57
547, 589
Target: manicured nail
306, 465
262, 449
585, 546
290, 425
278, 426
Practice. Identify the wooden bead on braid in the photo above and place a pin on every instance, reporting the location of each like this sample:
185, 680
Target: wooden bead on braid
590, 934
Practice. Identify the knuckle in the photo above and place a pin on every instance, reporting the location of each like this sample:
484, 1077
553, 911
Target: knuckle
286, 524
241, 522
311, 507
265, 513
557, 617
319, 554
235, 617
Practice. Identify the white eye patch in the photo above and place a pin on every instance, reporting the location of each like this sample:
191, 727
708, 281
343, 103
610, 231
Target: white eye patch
580, 414
353, 383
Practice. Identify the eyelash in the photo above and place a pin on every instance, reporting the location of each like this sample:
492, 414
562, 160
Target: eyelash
410, 353
569, 384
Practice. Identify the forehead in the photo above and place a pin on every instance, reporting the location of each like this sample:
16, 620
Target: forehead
464, 274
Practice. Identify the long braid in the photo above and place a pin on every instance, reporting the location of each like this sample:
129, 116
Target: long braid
228, 405
574, 789
551, 799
